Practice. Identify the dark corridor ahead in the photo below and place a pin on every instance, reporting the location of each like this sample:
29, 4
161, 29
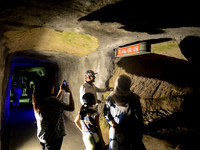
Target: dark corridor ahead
21, 129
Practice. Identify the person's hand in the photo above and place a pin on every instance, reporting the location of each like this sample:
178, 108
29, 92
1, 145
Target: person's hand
98, 102
114, 125
64, 86
110, 89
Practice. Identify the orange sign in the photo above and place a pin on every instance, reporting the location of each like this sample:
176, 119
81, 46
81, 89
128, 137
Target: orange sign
128, 50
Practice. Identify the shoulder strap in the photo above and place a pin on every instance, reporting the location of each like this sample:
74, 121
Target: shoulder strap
89, 131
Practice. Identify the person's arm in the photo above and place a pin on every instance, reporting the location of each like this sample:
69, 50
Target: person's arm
77, 123
82, 92
101, 90
99, 130
114, 125
70, 106
107, 114
60, 92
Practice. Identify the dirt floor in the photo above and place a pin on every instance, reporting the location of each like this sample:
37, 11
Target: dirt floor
22, 132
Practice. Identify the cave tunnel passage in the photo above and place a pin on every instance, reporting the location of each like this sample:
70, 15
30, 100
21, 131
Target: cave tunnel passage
25, 78
22, 125
20, 128
24, 68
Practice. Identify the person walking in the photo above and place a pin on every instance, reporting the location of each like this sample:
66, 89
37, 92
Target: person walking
87, 122
16, 93
123, 112
30, 94
48, 111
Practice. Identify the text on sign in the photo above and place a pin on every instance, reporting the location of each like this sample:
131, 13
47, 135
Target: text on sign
128, 50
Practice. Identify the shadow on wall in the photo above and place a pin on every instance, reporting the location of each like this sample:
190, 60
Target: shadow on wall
147, 16
190, 49
175, 71
181, 128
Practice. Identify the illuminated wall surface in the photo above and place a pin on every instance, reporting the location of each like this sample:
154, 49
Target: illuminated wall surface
63, 39
49, 39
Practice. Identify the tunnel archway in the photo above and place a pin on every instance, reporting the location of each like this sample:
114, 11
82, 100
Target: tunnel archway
25, 76
29, 65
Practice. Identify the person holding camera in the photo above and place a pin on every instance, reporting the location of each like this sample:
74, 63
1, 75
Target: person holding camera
48, 111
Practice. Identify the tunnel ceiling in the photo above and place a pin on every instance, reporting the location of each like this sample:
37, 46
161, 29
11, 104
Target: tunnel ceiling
104, 24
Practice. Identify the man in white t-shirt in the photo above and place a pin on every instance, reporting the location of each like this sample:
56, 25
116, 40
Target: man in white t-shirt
89, 87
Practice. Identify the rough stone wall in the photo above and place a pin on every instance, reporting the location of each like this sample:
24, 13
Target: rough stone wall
48, 39
1, 78
161, 80
70, 67
2, 82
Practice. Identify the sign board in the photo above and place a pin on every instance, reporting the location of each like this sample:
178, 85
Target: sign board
128, 50
131, 50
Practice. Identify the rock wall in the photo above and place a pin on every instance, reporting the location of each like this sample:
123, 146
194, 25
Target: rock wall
69, 67
2, 69
28, 45
161, 80
48, 39
168, 85
40, 30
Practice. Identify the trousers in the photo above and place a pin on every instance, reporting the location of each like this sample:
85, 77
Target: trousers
53, 145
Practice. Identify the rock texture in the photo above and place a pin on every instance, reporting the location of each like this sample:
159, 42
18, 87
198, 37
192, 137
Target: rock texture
49, 39
161, 81
168, 86
167, 80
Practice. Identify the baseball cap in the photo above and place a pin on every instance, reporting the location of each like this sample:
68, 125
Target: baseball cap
89, 73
